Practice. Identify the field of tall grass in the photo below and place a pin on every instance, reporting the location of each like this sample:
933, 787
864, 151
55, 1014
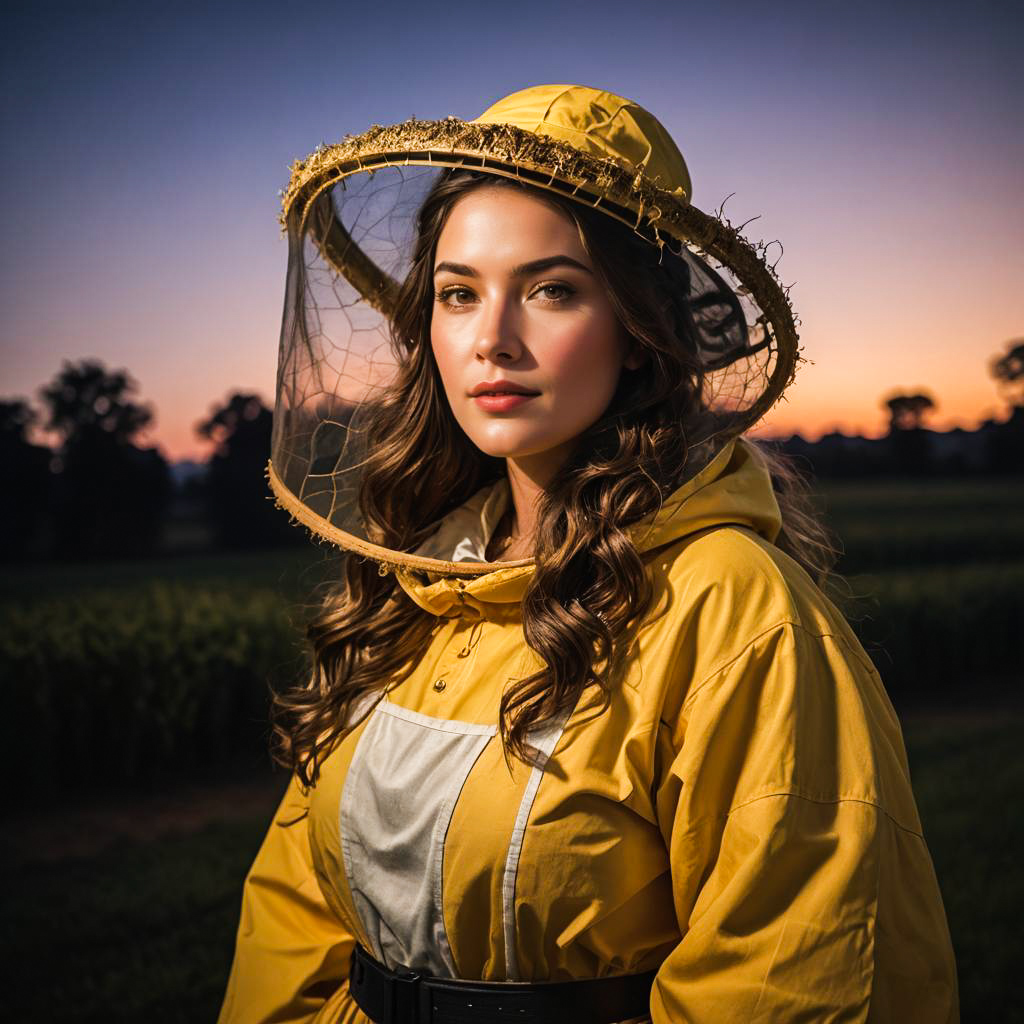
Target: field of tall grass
140, 670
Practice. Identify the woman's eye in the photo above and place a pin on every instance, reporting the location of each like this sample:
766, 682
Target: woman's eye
454, 296
554, 292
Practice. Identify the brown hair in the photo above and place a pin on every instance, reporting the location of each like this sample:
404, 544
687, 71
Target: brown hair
590, 587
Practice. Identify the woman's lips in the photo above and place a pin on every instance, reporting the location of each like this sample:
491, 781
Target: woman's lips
501, 403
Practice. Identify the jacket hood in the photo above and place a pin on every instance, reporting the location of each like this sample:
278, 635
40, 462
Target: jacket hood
734, 488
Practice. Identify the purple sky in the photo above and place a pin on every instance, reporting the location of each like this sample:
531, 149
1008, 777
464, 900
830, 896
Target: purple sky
146, 144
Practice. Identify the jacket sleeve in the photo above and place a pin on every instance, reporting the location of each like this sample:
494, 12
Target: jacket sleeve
291, 952
803, 888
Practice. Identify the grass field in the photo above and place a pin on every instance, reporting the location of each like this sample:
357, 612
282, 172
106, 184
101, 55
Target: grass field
290, 571
896, 524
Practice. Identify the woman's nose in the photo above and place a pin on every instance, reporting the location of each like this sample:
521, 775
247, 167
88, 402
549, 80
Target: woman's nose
498, 330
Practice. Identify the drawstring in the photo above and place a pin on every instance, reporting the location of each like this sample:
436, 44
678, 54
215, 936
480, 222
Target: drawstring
471, 640
460, 586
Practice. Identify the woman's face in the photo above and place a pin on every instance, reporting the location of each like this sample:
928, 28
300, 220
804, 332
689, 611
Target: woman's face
518, 302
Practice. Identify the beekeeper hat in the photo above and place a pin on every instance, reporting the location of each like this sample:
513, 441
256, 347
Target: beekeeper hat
350, 213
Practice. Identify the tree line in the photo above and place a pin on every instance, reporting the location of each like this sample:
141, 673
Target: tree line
98, 494
910, 449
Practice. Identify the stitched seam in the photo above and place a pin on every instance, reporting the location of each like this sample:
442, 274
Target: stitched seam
869, 665
546, 744
451, 726
821, 800
736, 657
771, 629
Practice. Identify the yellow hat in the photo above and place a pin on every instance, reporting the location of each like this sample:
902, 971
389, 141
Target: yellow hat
350, 212
600, 123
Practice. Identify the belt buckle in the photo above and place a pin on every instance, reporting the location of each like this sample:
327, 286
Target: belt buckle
407, 1004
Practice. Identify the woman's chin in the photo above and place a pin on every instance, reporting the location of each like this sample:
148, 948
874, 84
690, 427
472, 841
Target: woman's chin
505, 449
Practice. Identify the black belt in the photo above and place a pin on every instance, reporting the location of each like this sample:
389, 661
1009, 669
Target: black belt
404, 997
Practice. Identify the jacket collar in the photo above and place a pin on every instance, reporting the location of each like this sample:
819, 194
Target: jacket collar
734, 488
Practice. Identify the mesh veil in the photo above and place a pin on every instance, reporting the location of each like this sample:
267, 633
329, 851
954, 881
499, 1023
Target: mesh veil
351, 228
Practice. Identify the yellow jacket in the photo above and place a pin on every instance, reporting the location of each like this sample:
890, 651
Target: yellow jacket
741, 817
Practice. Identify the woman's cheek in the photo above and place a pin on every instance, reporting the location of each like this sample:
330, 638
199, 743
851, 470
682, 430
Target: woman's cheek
588, 366
445, 348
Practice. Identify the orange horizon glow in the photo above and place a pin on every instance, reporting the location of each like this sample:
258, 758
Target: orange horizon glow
784, 421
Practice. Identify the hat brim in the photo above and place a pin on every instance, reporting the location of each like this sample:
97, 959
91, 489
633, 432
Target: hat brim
620, 191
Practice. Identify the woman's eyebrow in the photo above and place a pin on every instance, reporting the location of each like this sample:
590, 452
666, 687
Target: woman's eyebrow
533, 267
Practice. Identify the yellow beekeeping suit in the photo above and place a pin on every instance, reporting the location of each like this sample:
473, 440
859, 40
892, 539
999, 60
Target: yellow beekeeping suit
740, 817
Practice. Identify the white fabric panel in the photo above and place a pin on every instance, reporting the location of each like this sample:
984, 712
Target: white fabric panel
396, 806
544, 741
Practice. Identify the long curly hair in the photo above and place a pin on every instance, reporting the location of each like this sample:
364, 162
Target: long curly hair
589, 589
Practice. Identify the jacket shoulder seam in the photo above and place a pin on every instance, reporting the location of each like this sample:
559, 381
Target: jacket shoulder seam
718, 670
781, 624
826, 800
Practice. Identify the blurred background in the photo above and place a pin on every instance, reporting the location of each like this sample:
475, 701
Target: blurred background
151, 593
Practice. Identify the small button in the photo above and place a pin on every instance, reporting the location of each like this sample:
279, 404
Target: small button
439, 685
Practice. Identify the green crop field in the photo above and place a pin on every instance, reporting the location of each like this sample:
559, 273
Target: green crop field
126, 672
897, 524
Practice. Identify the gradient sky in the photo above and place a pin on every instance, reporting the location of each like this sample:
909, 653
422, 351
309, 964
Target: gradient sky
145, 145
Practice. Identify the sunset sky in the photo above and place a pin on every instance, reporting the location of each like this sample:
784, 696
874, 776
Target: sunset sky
145, 145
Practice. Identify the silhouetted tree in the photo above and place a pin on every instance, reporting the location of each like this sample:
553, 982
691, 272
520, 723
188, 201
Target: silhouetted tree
907, 412
16, 416
1008, 370
111, 495
86, 399
1006, 440
908, 441
26, 470
238, 497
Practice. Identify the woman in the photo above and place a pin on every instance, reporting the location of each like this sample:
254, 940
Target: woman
641, 767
